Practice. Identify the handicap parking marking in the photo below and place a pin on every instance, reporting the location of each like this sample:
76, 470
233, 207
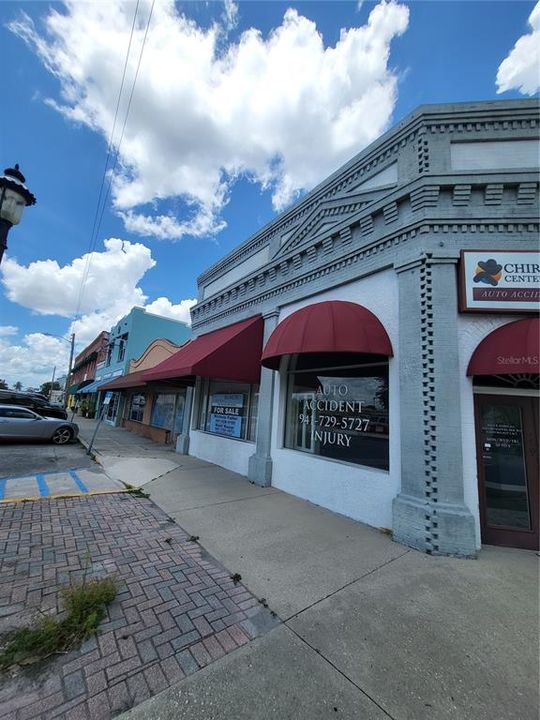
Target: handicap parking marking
76, 482
42, 485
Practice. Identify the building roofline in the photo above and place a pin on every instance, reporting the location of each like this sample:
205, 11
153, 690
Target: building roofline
440, 111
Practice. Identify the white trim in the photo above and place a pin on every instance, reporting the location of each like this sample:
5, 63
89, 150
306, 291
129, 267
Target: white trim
519, 392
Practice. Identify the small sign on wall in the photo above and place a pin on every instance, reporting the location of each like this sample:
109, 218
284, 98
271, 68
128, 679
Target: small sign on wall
506, 281
226, 414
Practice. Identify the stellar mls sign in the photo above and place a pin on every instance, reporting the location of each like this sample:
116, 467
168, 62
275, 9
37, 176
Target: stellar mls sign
500, 281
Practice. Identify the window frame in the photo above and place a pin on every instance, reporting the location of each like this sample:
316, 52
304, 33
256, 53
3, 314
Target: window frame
122, 344
27, 413
178, 394
284, 429
141, 409
251, 423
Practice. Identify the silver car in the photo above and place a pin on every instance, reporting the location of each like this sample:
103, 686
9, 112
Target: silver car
19, 423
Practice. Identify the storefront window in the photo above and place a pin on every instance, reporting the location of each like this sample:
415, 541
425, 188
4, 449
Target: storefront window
112, 407
230, 409
136, 407
163, 411
340, 413
179, 414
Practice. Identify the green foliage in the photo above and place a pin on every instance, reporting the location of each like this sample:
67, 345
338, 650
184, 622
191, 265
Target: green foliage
84, 610
46, 388
88, 599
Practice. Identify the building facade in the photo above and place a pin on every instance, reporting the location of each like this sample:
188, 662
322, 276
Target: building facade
128, 340
84, 367
374, 349
153, 410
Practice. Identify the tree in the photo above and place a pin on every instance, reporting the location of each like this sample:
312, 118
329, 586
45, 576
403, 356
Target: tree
45, 389
3, 385
18, 385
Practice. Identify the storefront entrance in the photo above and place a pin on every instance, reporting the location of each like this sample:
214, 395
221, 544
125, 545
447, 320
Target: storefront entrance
507, 455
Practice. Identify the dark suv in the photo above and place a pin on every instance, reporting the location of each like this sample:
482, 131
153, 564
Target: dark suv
37, 403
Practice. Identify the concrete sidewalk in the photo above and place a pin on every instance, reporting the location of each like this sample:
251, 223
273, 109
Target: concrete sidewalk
125, 456
369, 628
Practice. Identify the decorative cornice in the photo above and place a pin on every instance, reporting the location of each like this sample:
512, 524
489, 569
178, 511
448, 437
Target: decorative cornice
461, 195
527, 193
493, 118
291, 274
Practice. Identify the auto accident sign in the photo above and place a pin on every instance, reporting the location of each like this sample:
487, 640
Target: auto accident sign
500, 281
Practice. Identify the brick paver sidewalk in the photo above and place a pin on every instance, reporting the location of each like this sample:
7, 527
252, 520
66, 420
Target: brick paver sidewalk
177, 609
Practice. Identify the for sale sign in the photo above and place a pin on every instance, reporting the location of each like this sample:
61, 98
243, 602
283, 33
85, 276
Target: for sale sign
226, 414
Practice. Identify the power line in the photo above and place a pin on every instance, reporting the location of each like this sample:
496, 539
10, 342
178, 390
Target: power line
117, 154
97, 222
91, 244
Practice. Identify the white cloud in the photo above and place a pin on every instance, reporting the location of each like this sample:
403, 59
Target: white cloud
46, 288
230, 14
8, 330
31, 361
520, 70
180, 311
283, 110
49, 289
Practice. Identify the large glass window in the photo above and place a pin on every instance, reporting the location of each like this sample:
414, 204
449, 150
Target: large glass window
122, 342
340, 413
112, 407
136, 407
230, 409
163, 411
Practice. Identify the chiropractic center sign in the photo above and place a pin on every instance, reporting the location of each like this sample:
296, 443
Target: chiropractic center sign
500, 281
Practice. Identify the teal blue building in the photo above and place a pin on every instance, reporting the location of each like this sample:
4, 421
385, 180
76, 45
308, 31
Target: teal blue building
128, 339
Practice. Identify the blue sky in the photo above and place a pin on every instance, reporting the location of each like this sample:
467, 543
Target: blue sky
239, 125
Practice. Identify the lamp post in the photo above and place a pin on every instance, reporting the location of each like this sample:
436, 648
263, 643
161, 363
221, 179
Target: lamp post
14, 197
71, 341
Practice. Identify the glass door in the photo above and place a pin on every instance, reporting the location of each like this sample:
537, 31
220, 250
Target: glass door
507, 454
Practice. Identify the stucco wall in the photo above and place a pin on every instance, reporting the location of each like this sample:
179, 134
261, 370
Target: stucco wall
359, 492
158, 351
230, 454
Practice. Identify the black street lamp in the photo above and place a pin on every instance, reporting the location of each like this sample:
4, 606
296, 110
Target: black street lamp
14, 197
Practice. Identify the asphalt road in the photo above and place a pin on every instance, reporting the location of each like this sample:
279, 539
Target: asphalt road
18, 459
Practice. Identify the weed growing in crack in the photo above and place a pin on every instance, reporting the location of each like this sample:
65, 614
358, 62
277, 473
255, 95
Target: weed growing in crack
84, 603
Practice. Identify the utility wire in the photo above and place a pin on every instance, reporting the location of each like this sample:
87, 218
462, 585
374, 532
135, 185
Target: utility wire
91, 244
117, 154
97, 223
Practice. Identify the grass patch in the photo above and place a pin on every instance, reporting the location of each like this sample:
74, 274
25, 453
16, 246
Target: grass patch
85, 605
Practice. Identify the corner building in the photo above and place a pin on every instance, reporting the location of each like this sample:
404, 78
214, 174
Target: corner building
374, 349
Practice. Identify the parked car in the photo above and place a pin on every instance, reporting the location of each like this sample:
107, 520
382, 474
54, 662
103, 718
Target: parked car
20, 423
36, 402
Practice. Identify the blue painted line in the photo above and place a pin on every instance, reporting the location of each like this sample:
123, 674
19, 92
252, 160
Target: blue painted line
78, 482
3, 484
42, 485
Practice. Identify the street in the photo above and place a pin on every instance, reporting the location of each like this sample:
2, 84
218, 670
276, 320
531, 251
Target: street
30, 471
28, 458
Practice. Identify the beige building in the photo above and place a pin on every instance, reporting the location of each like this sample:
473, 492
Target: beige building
153, 410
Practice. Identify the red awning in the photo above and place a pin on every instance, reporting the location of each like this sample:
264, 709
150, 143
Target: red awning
334, 326
134, 379
512, 348
231, 353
